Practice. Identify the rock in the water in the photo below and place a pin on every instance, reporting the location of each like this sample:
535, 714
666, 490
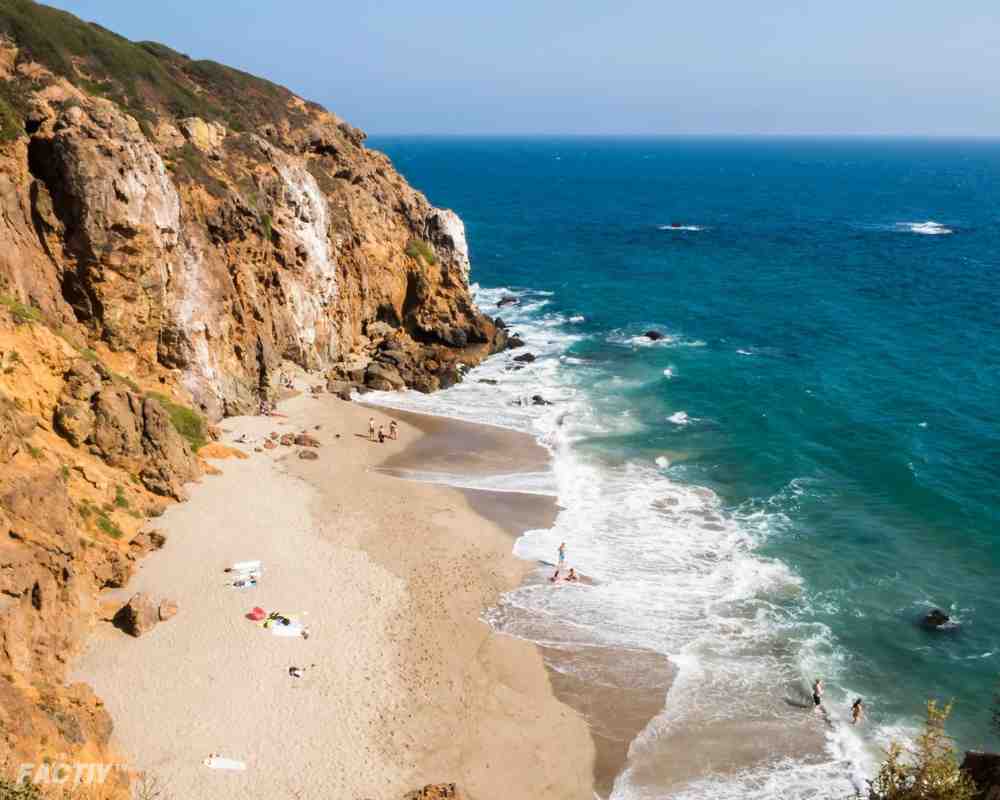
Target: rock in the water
308, 455
138, 616
488, 381
167, 609
653, 335
508, 301
936, 618
305, 440
525, 358
538, 400
514, 341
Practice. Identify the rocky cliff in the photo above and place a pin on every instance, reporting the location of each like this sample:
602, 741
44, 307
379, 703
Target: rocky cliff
172, 232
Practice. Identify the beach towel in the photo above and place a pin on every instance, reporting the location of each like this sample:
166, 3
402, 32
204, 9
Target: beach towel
244, 566
257, 614
218, 762
295, 629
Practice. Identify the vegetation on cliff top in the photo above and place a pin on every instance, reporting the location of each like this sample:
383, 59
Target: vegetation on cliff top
145, 78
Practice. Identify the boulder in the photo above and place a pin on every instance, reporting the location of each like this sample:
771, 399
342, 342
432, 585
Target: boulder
653, 335
538, 400
341, 389
508, 301
525, 358
426, 383
167, 610
936, 618
74, 421
514, 341
308, 455
383, 377
305, 440
138, 616
488, 381
82, 381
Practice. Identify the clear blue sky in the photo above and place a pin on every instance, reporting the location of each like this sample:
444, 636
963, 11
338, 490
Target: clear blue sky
923, 67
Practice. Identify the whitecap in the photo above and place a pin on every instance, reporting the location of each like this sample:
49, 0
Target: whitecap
679, 418
677, 227
662, 462
928, 228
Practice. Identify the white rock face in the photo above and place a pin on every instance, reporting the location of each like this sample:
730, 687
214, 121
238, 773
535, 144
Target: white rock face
446, 232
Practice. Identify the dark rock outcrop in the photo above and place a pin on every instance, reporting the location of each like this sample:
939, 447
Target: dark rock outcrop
984, 769
654, 336
525, 358
936, 618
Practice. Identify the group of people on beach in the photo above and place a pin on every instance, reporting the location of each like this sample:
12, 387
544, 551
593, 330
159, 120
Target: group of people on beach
571, 576
379, 435
857, 707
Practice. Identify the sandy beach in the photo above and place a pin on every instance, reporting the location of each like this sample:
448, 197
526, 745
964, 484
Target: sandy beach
404, 685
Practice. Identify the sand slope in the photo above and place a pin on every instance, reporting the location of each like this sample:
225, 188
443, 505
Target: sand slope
409, 686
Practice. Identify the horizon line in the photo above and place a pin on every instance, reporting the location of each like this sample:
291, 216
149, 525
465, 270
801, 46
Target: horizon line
528, 135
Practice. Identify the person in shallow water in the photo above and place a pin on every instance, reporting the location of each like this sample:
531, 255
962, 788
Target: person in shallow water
555, 576
572, 576
818, 694
857, 711
562, 554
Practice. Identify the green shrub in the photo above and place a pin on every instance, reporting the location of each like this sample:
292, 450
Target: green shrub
188, 422
105, 525
33, 451
22, 314
121, 501
88, 354
418, 248
927, 771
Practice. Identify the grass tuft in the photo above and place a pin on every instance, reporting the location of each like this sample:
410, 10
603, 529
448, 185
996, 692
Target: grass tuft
22, 313
418, 248
187, 422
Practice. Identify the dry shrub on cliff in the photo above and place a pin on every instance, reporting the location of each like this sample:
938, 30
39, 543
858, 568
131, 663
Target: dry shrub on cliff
928, 770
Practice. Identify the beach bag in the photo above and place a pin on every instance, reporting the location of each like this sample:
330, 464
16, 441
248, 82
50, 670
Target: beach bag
257, 614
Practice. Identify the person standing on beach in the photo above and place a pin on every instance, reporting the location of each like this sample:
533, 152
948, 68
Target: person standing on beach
381, 434
562, 554
817, 695
371, 429
393, 429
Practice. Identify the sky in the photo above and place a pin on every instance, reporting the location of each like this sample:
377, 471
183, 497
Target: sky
631, 67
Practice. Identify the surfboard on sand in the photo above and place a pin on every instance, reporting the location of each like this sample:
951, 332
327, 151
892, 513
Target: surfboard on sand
218, 762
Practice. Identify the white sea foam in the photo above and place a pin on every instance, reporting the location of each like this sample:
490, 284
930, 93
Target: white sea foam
928, 228
668, 372
577, 318
680, 227
674, 570
680, 418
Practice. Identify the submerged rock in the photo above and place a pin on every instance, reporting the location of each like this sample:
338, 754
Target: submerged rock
525, 358
654, 336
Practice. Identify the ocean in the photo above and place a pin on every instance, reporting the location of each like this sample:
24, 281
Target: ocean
786, 482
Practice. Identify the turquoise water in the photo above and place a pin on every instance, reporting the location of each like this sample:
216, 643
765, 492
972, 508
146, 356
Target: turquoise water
831, 373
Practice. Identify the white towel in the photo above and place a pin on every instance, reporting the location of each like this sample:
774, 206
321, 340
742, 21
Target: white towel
218, 762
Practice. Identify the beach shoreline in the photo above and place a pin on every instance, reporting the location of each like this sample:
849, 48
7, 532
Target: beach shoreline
391, 576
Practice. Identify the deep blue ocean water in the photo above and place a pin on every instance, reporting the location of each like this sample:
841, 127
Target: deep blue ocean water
831, 372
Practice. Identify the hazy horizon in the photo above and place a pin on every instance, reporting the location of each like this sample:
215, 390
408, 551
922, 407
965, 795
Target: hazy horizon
641, 69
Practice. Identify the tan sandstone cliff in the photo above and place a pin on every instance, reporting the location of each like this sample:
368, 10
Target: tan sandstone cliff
171, 231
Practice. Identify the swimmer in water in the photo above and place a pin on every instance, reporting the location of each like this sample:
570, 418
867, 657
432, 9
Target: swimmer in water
857, 711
